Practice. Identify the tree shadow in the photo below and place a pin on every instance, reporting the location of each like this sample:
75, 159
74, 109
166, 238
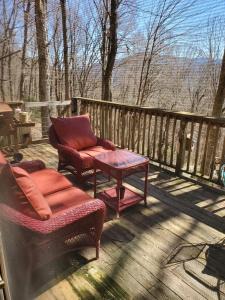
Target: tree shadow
191, 202
129, 247
127, 241
158, 283
48, 275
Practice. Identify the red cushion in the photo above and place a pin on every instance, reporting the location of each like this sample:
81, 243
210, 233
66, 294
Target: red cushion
31, 193
49, 181
87, 155
75, 132
66, 198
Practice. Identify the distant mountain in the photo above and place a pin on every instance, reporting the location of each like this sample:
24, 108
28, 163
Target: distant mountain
204, 60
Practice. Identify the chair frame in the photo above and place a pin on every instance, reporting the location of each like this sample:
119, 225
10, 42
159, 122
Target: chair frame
70, 159
36, 242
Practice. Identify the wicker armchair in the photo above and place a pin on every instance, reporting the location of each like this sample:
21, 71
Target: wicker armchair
76, 221
77, 146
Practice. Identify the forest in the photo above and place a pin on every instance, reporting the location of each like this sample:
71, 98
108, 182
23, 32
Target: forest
164, 54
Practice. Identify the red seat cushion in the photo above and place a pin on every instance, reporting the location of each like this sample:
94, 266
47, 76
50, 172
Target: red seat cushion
75, 132
66, 198
31, 193
50, 181
87, 155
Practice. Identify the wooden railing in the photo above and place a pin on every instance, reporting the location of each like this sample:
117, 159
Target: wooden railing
187, 143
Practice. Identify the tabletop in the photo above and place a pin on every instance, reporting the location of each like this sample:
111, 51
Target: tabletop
121, 159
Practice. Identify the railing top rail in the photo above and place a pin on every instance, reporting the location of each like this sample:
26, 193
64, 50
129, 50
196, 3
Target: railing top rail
47, 103
180, 115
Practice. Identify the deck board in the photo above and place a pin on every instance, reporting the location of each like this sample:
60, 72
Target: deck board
154, 252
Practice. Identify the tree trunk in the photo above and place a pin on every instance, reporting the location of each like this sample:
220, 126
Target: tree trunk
44, 89
2, 62
24, 49
65, 49
10, 72
110, 38
216, 112
220, 94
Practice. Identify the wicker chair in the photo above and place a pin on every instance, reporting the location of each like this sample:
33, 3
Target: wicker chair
76, 144
76, 221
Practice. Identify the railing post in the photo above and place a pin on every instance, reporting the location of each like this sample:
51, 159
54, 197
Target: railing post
110, 123
223, 152
123, 129
74, 106
181, 149
102, 121
83, 109
222, 161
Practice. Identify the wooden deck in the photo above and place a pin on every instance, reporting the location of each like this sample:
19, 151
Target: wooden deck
164, 251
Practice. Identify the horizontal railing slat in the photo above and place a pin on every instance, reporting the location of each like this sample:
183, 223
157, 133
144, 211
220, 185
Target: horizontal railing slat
180, 115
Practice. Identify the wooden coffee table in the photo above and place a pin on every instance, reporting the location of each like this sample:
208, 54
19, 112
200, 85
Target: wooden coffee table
120, 164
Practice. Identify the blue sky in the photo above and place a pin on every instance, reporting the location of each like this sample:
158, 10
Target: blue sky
194, 24
195, 21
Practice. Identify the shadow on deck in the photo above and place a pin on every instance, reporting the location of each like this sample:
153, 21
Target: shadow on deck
172, 249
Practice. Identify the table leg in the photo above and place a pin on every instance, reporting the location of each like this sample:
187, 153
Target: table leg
95, 182
146, 185
118, 192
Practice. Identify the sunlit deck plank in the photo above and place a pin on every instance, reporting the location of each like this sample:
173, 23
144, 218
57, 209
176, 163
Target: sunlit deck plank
135, 249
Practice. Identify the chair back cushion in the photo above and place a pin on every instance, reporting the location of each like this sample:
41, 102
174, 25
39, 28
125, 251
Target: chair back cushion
75, 132
30, 192
17, 189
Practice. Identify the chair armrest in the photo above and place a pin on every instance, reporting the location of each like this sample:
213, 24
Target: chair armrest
68, 152
69, 155
31, 166
105, 143
59, 221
